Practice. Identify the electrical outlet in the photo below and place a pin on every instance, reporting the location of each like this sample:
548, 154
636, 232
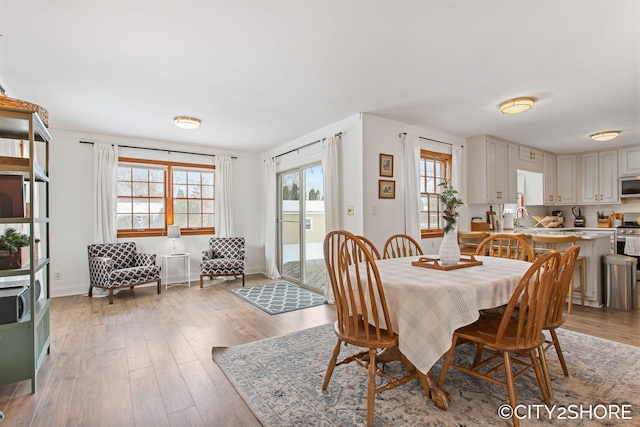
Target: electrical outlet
374, 210
350, 210
57, 275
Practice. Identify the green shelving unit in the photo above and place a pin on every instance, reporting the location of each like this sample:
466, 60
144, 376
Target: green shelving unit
24, 344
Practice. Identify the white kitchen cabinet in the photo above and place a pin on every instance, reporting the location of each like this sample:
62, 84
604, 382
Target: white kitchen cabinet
630, 161
592, 250
491, 170
530, 154
599, 177
567, 179
549, 172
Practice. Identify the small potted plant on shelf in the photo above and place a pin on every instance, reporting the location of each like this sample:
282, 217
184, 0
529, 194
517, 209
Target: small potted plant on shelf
14, 249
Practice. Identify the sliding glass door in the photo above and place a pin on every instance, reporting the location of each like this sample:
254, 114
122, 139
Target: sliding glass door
301, 226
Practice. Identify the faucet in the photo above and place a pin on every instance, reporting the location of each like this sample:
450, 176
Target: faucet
524, 215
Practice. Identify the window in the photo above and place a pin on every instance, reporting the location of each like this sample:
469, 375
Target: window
435, 168
154, 194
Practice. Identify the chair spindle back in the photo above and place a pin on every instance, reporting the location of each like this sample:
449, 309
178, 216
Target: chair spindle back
357, 288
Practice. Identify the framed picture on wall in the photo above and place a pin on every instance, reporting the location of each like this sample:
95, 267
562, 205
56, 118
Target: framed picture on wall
386, 165
386, 189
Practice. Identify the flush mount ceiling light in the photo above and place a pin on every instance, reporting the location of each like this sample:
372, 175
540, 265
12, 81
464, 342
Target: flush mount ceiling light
186, 122
605, 136
517, 105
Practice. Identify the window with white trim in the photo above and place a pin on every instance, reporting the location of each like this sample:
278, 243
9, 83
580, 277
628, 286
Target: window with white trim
435, 168
154, 194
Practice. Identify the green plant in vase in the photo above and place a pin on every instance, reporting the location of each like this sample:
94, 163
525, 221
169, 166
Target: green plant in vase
451, 201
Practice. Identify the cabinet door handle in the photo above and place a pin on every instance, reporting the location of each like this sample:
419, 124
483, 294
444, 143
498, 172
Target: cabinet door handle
559, 198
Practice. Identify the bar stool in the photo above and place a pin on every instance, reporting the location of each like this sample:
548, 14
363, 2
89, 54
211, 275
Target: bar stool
470, 240
560, 244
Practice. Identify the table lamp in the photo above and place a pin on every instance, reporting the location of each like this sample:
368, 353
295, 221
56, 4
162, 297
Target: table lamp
173, 232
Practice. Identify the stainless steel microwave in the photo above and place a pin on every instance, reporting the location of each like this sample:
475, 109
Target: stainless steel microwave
630, 187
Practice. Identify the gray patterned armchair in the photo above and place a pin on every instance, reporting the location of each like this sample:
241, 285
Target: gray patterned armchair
119, 265
225, 257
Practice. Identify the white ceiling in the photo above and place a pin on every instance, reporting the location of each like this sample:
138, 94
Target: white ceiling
260, 73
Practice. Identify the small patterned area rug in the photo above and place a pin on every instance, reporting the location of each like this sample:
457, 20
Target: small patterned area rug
280, 379
279, 297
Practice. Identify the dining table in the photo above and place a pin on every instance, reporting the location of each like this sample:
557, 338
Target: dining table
426, 305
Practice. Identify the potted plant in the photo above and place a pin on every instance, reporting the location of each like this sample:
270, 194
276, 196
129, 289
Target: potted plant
14, 251
449, 251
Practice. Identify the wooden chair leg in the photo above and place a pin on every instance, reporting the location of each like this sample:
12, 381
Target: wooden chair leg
447, 362
542, 381
478, 357
159, 286
243, 279
332, 365
201, 280
545, 371
510, 386
371, 388
91, 290
556, 343
110, 295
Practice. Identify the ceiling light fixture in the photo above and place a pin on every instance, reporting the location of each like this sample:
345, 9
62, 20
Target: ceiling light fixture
605, 136
186, 122
517, 105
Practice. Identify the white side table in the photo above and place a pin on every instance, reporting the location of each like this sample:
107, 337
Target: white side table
186, 259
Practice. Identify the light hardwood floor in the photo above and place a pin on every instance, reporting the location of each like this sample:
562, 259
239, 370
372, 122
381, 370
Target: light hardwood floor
146, 359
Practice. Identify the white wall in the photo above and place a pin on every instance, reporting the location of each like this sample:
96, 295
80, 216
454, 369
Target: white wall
72, 207
381, 135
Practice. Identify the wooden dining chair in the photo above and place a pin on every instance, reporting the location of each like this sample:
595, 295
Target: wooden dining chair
518, 331
371, 247
560, 244
506, 246
400, 246
363, 315
554, 318
468, 241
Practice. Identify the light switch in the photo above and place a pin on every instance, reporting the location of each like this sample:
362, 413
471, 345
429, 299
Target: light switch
374, 210
350, 210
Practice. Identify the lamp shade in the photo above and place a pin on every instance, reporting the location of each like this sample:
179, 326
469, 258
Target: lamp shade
173, 231
187, 122
517, 105
605, 136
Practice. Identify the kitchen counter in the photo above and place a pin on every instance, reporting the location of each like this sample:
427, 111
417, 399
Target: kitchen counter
594, 243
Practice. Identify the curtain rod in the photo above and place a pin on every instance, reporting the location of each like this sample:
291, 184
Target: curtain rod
434, 140
159, 149
306, 145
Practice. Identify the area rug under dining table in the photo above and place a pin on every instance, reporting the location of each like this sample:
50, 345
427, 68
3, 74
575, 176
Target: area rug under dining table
280, 379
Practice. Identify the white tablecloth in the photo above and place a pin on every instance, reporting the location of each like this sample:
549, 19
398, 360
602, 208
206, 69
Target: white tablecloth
426, 306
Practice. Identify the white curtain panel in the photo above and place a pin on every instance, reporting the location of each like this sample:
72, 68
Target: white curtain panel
269, 202
411, 163
223, 203
456, 181
105, 196
332, 183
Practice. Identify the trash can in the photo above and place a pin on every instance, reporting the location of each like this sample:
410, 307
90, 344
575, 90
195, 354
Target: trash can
620, 288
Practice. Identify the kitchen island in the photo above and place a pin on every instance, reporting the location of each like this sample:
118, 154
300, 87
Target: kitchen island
594, 244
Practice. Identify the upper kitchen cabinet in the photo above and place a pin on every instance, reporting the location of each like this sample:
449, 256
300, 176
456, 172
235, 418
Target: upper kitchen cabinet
567, 179
530, 159
630, 161
491, 170
599, 177
549, 170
